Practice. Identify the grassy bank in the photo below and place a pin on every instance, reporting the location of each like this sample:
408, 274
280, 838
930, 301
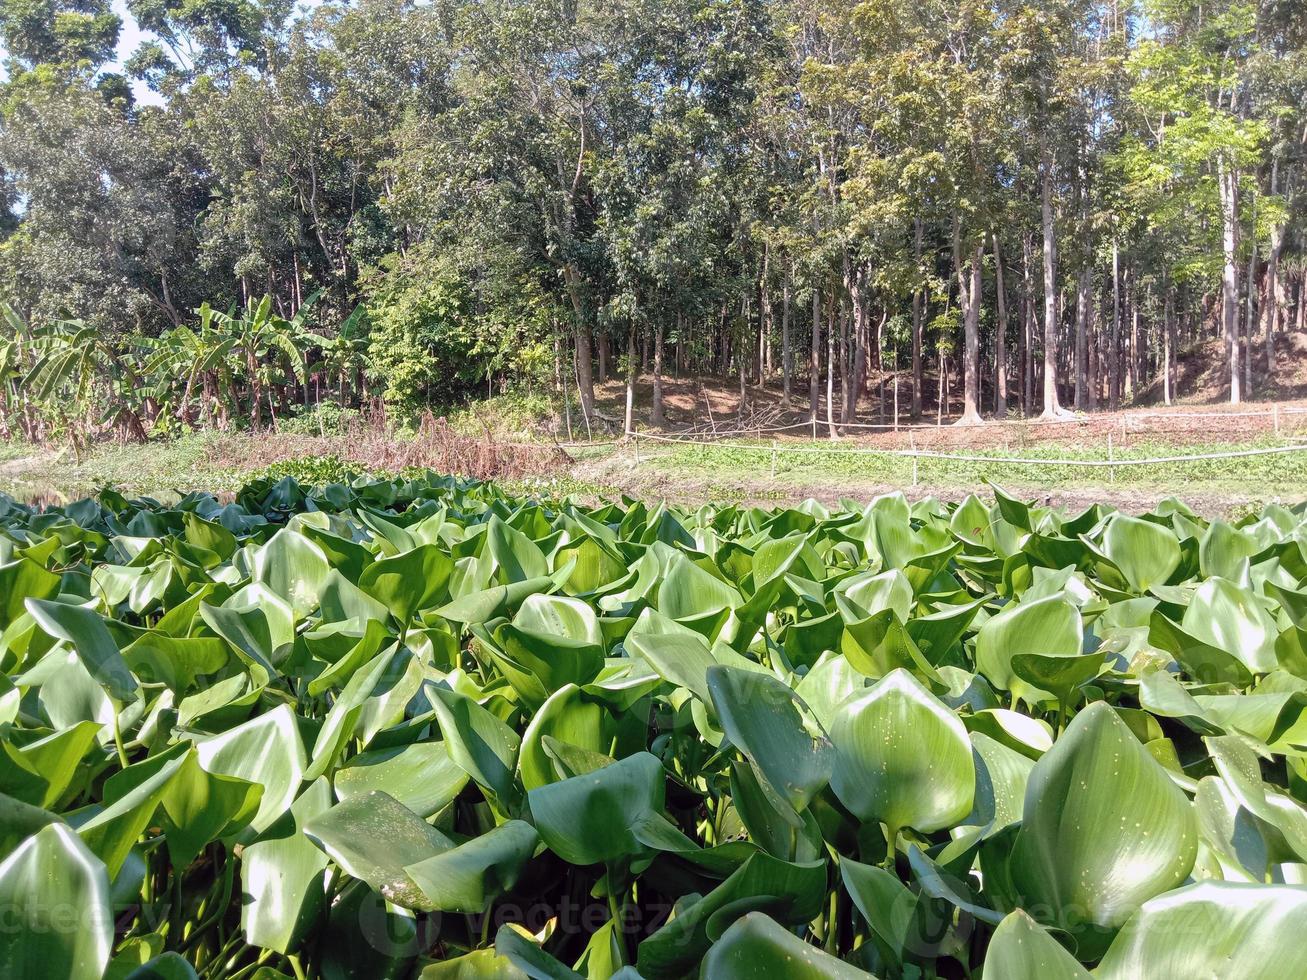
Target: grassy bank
743, 469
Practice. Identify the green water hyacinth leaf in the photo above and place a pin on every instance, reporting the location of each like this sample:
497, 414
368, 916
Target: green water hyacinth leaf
421, 775
282, 877
1057, 675
131, 796
22, 580
688, 592
209, 535
479, 743
178, 662
1145, 553
57, 892
1021, 949
554, 615
763, 719
468, 877
902, 757
293, 567
199, 807
1227, 617
588, 819
870, 593
757, 946
538, 663
516, 557
653, 739
1047, 627
84, 629
408, 581
898, 917
1214, 929
266, 750
788, 892
41, 772
1002, 775
529, 957
570, 717
373, 837
1103, 829
680, 658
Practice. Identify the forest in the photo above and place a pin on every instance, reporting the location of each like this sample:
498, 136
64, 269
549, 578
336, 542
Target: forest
1042, 202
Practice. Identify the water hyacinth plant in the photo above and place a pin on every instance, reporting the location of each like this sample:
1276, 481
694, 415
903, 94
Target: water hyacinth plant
421, 728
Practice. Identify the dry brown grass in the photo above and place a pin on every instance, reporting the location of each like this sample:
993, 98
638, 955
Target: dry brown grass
374, 447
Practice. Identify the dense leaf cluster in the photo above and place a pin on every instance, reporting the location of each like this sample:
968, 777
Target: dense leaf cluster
420, 727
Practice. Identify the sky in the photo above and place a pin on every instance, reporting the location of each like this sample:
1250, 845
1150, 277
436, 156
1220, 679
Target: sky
129, 39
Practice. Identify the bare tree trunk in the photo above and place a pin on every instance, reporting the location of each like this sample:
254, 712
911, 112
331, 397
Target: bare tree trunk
1082, 340
1227, 182
631, 365
787, 353
814, 359
764, 318
585, 373
830, 365
842, 318
1168, 340
1052, 407
603, 347
1000, 337
1114, 345
1026, 355
742, 356
1132, 360
1274, 293
656, 409
969, 300
918, 315
1250, 317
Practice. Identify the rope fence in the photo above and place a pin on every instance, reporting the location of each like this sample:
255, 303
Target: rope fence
1111, 463
724, 438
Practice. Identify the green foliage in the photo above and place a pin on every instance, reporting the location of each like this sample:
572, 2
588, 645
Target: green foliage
419, 337
322, 419
347, 726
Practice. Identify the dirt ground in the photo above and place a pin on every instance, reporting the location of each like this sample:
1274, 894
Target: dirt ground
703, 406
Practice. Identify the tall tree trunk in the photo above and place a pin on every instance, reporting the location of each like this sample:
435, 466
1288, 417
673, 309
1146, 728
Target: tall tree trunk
1026, 355
918, 315
1274, 295
854, 373
1132, 361
1052, 407
814, 359
1168, 339
585, 373
1250, 317
968, 274
604, 349
1000, 337
787, 354
830, 364
1114, 345
631, 364
656, 410
1228, 183
1083, 301
764, 318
